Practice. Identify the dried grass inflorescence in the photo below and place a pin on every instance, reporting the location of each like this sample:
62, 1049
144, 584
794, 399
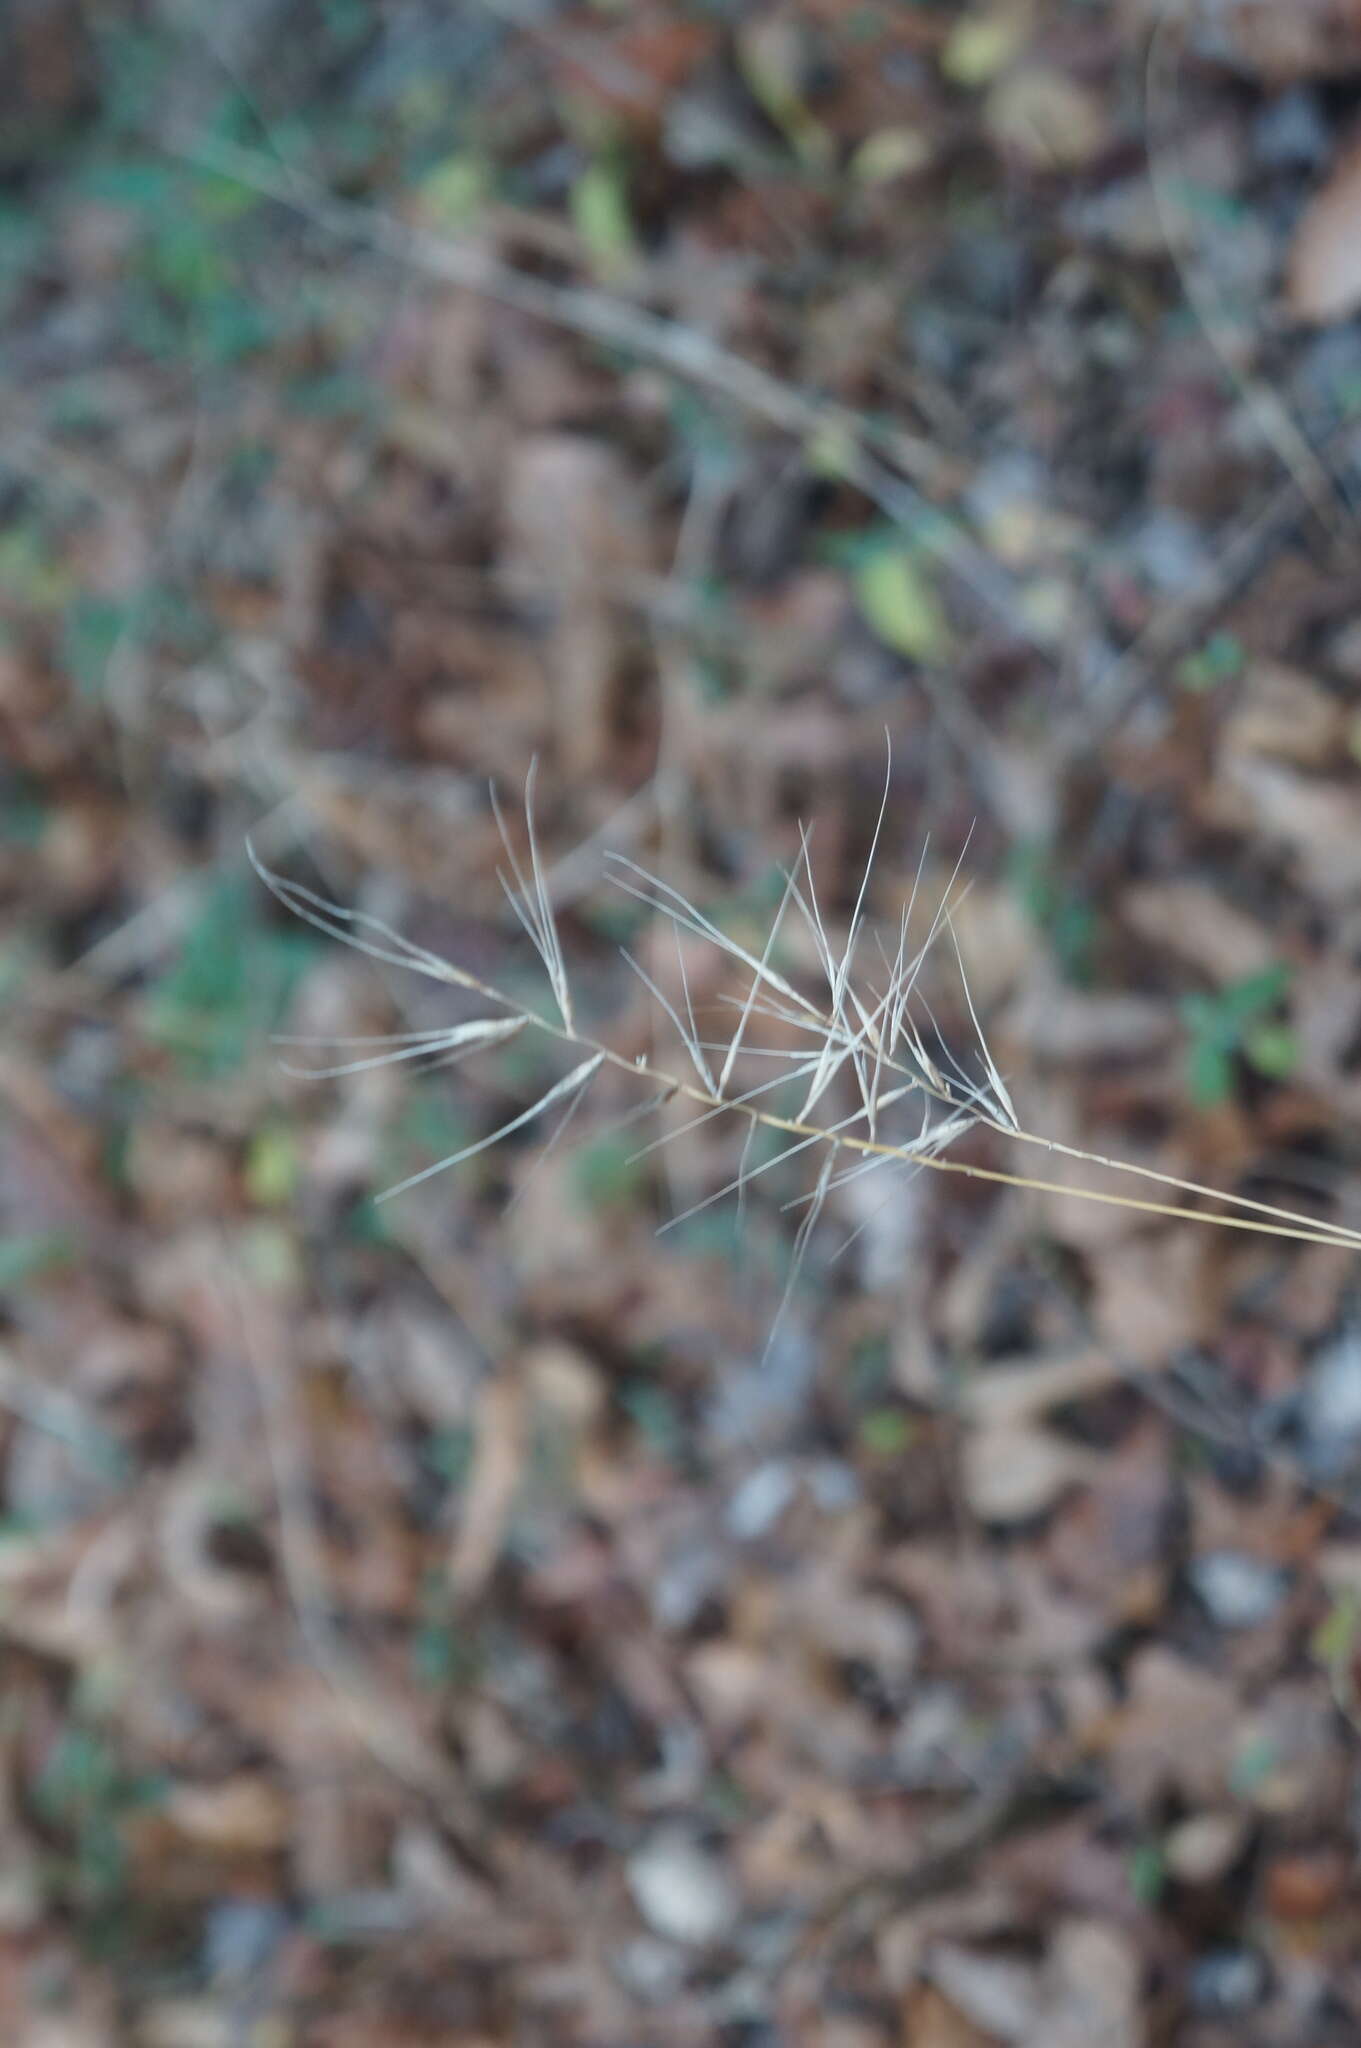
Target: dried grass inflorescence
869, 1037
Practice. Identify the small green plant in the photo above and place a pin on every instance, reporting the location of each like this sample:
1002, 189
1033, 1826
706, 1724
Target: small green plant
1221, 660
1055, 908
85, 1794
233, 973
1242, 1021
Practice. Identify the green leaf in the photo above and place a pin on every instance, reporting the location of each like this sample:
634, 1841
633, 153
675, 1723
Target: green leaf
24, 811
30, 572
887, 1432
1069, 923
1333, 1643
89, 634
601, 211
1220, 660
185, 259
653, 1413
1211, 1074
607, 1172
272, 1166
890, 153
1243, 1000
455, 192
1147, 1873
30, 1253
981, 45
1273, 1050
229, 984
900, 605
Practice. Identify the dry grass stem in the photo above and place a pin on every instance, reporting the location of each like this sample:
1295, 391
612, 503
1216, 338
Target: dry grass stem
912, 1097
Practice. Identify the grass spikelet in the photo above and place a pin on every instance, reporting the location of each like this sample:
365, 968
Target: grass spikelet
913, 1099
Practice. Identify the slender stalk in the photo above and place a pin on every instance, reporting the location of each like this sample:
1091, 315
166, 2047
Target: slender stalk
862, 1030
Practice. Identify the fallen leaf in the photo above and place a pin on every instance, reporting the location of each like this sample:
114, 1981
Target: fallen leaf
1177, 1728
1046, 119
1315, 819
246, 1815
1013, 1392
1306, 1885
931, 2021
1284, 714
1090, 1989
1060, 1025
994, 1992
1149, 1300
498, 1463
1324, 278
575, 527
1012, 1474
1193, 921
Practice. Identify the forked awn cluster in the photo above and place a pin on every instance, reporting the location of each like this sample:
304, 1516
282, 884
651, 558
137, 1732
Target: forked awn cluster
910, 1100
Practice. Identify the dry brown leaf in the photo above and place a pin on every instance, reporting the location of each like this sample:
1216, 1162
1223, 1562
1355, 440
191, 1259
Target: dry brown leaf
1299, 1752
574, 523
1177, 1728
1200, 1849
931, 2021
1317, 820
1282, 713
1149, 1301
1307, 1885
1012, 1392
1011, 1474
1323, 283
187, 2023
1192, 920
1090, 1990
1046, 119
994, 1992
1059, 1026
497, 1466
1109, 1546
246, 1815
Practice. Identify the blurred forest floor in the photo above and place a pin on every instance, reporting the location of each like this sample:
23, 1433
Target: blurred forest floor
451, 1623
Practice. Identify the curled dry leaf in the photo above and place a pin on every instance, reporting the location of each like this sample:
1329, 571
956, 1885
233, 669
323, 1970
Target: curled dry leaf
1324, 279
